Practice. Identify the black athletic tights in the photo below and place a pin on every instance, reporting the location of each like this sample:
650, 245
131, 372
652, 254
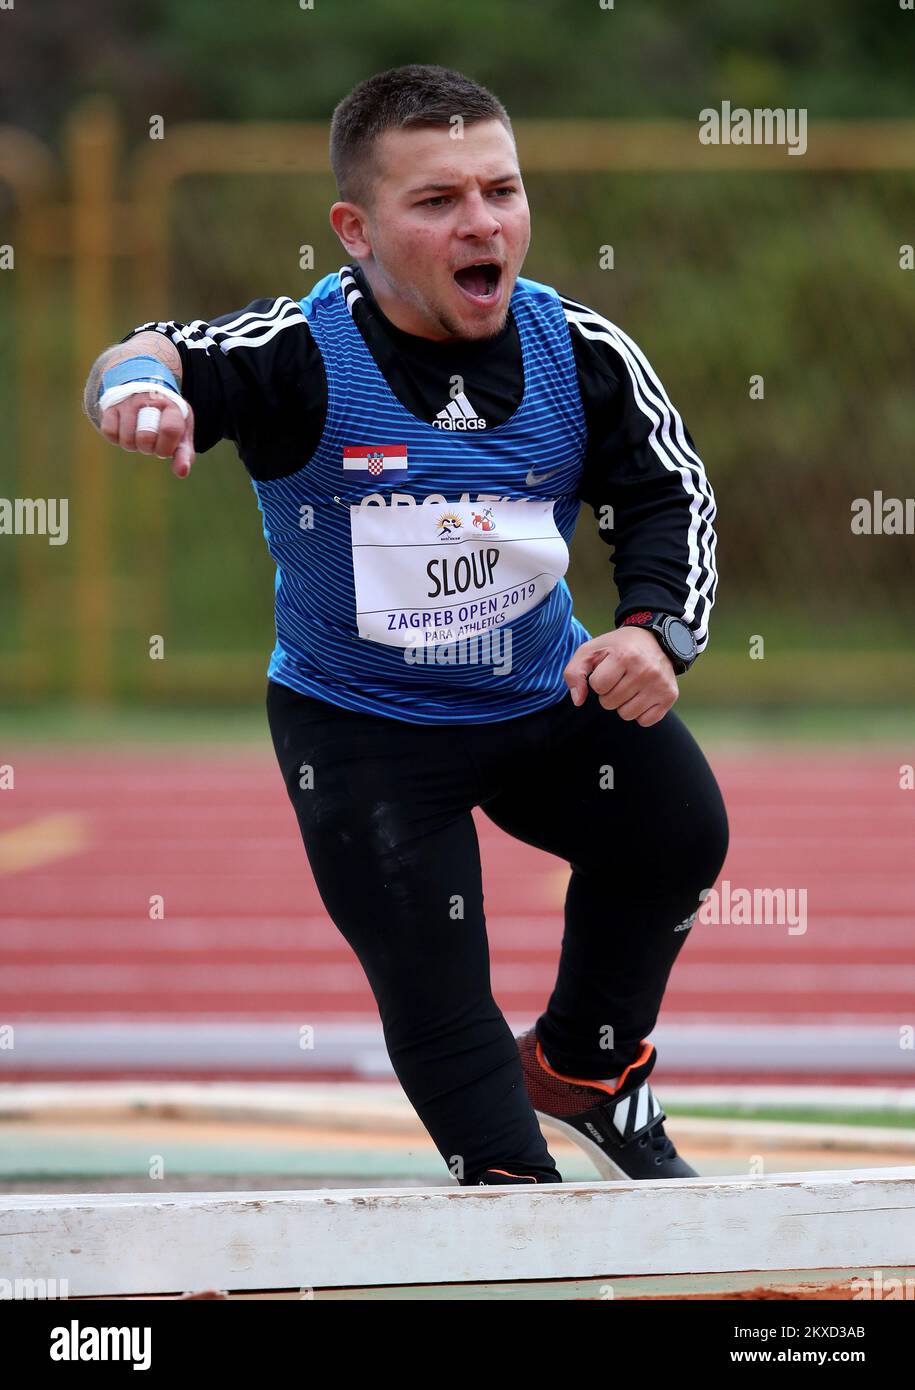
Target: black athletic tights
384, 808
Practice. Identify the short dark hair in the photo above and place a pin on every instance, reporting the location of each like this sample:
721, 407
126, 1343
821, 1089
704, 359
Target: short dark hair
419, 94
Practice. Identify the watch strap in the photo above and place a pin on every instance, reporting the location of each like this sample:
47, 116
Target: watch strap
652, 620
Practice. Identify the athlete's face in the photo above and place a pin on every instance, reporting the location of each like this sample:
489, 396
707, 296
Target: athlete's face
441, 205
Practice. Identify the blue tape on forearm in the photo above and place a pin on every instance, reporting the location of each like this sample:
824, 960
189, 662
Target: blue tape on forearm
138, 369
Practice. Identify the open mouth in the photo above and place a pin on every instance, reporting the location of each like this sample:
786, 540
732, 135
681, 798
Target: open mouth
480, 282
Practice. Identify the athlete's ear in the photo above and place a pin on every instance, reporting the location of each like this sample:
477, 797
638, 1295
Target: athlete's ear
351, 225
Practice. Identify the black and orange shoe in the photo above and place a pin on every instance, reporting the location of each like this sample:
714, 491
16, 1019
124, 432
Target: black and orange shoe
620, 1128
499, 1177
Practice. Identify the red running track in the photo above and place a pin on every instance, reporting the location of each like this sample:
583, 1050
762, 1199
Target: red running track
86, 839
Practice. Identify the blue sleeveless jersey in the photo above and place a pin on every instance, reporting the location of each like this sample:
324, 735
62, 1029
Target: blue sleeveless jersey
420, 570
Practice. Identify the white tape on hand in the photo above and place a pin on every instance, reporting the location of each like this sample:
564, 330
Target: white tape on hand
115, 394
148, 419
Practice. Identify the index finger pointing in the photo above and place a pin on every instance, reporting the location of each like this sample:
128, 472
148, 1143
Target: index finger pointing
110, 424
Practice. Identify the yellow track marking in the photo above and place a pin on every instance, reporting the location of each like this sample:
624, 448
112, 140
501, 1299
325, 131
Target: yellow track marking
42, 841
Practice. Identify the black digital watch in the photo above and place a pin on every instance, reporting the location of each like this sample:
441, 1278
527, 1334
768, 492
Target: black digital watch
676, 639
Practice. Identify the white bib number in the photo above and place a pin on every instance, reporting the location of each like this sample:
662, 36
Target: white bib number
449, 571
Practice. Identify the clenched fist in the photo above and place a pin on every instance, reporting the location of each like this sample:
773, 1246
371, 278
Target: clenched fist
628, 671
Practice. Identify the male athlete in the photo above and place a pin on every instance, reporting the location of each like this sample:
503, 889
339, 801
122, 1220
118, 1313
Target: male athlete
421, 431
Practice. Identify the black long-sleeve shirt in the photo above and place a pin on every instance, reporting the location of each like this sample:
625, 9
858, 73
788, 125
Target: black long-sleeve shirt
256, 376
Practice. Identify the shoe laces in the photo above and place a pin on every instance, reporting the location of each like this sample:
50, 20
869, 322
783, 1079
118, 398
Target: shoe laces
662, 1146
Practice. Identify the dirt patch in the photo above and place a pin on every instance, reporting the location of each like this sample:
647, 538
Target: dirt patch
821, 1293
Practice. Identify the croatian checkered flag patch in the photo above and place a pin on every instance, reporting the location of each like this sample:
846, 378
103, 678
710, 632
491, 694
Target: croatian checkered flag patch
387, 462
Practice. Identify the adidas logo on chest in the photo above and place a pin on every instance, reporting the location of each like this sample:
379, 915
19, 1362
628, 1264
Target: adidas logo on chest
459, 414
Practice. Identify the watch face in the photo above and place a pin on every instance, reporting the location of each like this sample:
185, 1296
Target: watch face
681, 639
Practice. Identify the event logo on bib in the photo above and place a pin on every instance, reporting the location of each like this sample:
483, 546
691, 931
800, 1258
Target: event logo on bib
449, 526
